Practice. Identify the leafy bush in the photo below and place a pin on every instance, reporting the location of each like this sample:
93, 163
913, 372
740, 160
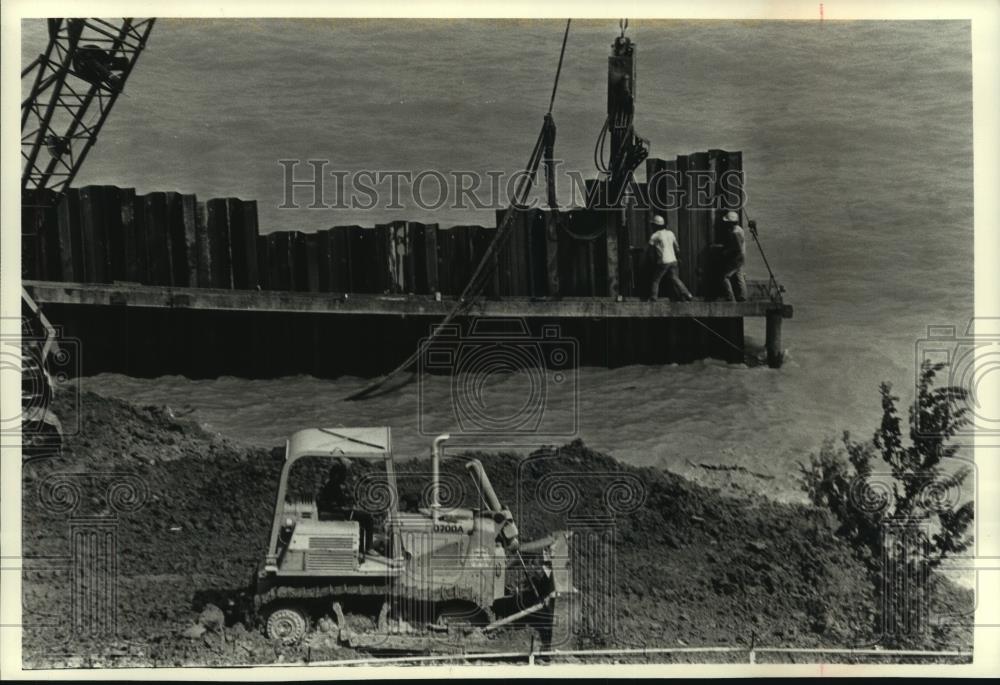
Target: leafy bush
898, 503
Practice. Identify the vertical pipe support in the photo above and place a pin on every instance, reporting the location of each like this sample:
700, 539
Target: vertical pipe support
772, 341
436, 474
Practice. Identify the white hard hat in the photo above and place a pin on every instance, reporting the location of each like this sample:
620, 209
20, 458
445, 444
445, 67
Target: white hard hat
731, 217
659, 220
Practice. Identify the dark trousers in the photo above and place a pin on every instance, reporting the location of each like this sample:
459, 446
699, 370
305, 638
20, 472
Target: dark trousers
680, 291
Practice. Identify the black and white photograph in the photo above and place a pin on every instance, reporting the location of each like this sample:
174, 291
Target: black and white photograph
498, 345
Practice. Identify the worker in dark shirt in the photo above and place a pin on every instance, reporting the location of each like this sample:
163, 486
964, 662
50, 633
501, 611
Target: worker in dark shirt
337, 500
732, 256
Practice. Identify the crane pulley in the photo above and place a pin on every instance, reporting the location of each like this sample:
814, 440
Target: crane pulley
628, 149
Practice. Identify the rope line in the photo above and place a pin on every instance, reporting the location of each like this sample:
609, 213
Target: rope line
487, 264
773, 288
562, 52
719, 336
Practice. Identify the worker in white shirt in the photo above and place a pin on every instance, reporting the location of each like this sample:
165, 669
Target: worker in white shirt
664, 262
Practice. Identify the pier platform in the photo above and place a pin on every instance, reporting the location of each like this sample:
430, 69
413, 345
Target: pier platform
144, 330
136, 295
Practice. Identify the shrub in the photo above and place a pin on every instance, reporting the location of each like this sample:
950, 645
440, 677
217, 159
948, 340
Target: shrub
898, 503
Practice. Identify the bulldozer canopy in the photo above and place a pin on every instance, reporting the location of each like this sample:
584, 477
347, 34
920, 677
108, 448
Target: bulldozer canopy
351, 443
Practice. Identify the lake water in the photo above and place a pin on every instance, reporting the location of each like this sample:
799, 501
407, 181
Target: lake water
857, 145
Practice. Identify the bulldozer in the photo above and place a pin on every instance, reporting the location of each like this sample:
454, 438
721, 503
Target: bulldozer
440, 570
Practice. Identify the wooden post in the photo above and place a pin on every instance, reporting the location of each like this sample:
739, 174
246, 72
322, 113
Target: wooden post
384, 266
175, 239
120, 239
70, 245
263, 262
537, 265
157, 242
465, 238
111, 218
182, 234
772, 341
243, 234
632, 248
480, 238
95, 237
362, 257
515, 254
135, 259
633, 234
445, 240
552, 219
324, 260
431, 257
189, 221
568, 253
281, 265
592, 289
39, 236
340, 256
30, 264
421, 260
410, 256
612, 222
310, 245
477, 242
48, 237
683, 228
468, 241
47, 244
529, 253
203, 244
400, 256
506, 269
300, 262
220, 245
252, 229
697, 180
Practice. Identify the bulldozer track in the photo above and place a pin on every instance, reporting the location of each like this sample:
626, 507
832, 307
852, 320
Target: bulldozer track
374, 589
262, 599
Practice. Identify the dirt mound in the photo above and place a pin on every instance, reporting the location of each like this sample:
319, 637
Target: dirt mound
662, 561
689, 566
106, 429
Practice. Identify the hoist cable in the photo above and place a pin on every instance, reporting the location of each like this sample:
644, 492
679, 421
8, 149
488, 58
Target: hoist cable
487, 263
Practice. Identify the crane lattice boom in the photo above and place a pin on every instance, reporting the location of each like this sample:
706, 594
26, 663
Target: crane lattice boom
69, 92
